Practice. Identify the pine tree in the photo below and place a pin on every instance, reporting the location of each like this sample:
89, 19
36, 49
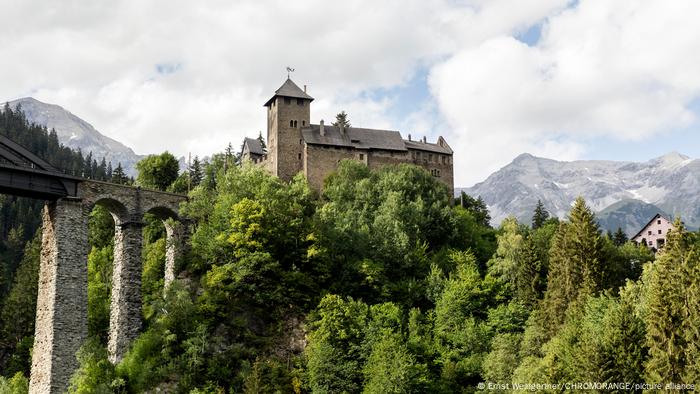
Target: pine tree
262, 141
666, 310
574, 264
528, 285
619, 238
540, 216
195, 172
341, 120
118, 176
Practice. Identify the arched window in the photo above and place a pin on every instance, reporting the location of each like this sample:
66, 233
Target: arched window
291, 123
303, 123
295, 123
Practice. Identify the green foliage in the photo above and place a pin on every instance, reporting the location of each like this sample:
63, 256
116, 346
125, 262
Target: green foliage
540, 216
157, 171
95, 374
99, 288
18, 311
341, 119
18, 384
477, 207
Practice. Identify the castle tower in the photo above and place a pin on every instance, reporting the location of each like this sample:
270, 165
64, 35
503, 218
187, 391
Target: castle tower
288, 111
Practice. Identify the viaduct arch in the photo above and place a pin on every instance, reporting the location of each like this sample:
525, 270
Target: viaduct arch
61, 315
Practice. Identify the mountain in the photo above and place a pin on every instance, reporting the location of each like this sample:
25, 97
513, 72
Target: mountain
77, 133
630, 215
670, 182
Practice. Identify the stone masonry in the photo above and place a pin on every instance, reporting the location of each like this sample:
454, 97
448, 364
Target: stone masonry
61, 318
295, 145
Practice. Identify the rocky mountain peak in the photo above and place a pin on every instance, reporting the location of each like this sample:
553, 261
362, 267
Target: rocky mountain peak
76, 133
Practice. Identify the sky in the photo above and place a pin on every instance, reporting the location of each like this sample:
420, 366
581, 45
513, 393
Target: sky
567, 80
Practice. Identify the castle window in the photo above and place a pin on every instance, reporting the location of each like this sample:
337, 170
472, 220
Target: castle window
362, 156
291, 123
303, 123
430, 157
295, 123
299, 156
299, 141
444, 159
300, 101
287, 100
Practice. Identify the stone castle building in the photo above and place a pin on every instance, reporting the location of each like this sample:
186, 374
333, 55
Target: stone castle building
295, 145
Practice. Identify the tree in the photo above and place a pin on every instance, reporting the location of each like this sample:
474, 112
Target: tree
619, 238
540, 216
476, 206
667, 308
341, 120
195, 172
262, 141
119, 176
157, 171
574, 264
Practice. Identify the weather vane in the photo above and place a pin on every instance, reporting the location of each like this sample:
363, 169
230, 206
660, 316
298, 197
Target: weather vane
289, 70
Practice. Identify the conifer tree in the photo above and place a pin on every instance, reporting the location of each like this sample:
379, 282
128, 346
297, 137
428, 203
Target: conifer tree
574, 264
195, 172
341, 119
667, 310
262, 141
619, 238
528, 282
118, 176
540, 216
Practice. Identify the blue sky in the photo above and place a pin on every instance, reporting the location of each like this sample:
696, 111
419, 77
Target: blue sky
589, 79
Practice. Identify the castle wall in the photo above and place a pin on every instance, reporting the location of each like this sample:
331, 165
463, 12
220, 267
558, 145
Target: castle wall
319, 161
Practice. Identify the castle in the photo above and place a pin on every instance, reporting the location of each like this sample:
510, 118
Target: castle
295, 145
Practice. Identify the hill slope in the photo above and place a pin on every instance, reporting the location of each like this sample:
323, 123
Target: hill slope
77, 133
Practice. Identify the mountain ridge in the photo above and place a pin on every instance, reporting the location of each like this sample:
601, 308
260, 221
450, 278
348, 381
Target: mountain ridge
77, 133
670, 183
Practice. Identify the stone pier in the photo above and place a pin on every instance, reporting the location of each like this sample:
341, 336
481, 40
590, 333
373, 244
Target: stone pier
125, 307
61, 317
61, 311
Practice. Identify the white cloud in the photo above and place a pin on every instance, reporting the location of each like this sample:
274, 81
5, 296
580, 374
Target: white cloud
624, 69
192, 76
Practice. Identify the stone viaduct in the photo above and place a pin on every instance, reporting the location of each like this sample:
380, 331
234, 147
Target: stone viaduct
61, 316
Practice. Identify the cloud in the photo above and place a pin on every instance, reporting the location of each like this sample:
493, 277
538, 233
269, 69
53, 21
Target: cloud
623, 69
192, 76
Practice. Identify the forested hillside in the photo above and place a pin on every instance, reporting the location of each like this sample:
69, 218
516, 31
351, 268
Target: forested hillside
381, 284
20, 219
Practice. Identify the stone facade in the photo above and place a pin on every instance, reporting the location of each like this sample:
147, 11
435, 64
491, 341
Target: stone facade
61, 317
295, 145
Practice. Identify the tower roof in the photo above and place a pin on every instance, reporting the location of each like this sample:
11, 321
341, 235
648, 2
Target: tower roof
289, 89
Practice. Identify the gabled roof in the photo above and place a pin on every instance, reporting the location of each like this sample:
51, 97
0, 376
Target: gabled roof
254, 146
658, 215
354, 137
289, 89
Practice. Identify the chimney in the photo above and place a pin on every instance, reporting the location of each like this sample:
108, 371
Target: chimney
321, 128
425, 139
409, 137
304, 88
